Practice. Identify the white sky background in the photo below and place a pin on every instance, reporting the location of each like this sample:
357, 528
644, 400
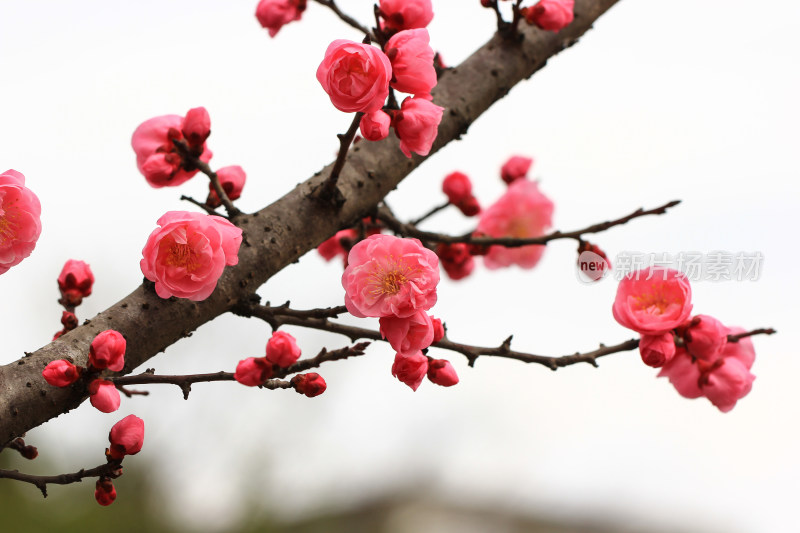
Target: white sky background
662, 100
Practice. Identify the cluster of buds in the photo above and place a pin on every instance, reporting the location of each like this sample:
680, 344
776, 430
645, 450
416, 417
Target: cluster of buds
458, 188
107, 352
125, 438
75, 283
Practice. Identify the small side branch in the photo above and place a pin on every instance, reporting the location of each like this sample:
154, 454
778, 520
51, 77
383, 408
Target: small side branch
328, 191
347, 19
111, 470
194, 162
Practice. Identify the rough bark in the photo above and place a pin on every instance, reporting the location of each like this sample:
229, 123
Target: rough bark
282, 232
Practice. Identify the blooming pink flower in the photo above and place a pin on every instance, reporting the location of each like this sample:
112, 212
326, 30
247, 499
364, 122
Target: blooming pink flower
104, 491
273, 14
282, 349
705, 337
408, 335
356, 76
438, 329
653, 300
232, 180
75, 282
186, 256
742, 350
156, 157
411, 369
656, 350
390, 276
19, 219
253, 371
417, 124
515, 168
310, 384
412, 61
104, 396
333, 246
552, 15
441, 372
727, 383
61, 373
406, 14
683, 374
457, 186
196, 126
108, 351
522, 212
126, 437
456, 260
375, 125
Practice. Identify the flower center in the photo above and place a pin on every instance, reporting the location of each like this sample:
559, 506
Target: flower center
653, 303
8, 228
182, 255
389, 278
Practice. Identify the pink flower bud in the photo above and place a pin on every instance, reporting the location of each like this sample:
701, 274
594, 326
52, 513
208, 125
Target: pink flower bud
336, 244
69, 321
410, 370
727, 383
75, 282
355, 76
515, 168
705, 337
653, 300
282, 349
457, 186
375, 125
417, 124
274, 14
412, 61
438, 330
196, 126
108, 351
408, 335
406, 14
186, 255
552, 15
469, 206
441, 372
310, 384
253, 371
61, 373
104, 396
456, 260
19, 220
126, 437
231, 179
656, 350
104, 491
592, 261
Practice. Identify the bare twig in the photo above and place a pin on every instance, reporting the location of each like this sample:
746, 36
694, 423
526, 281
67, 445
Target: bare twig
201, 205
328, 191
331, 4
429, 214
112, 470
195, 162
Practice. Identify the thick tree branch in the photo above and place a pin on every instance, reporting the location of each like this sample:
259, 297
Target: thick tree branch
281, 233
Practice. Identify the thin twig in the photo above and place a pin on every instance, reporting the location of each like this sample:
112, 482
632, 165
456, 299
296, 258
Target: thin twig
410, 231
760, 331
201, 205
328, 191
194, 161
331, 4
112, 470
429, 214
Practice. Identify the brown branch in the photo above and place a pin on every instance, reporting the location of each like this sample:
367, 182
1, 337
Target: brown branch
409, 230
430, 213
328, 191
25, 450
760, 331
112, 470
345, 17
279, 234
205, 207
192, 161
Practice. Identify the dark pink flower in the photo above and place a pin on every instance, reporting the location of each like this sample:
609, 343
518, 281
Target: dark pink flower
274, 14
310, 384
406, 14
441, 372
108, 351
457, 186
186, 255
333, 246
19, 220
456, 260
390, 276
408, 335
653, 300
75, 282
61, 373
196, 126
438, 330
126, 437
410, 370
231, 179
417, 124
253, 371
552, 15
522, 212
727, 383
104, 396
375, 125
656, 350
282, 349
104, 491
355, 76
515, 168
705, 337
412, 61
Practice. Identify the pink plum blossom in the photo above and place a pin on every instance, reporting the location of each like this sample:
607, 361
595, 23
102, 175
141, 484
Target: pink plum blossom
333, 247
742, 349
20, 226
375, 125
653, 300
108, 351
656, 350
104, 396
356, 76
253, 371
417, 124
441, 372
406, 14
411, 369
456, 260
156, 157
61, 373
515, 168
412, 61
126, 437
196, 126
282, 349
408, 335
186, 255
705, 337
457, 186
390, 276
727, 383
231, 179
552, 15
683, 374
438, 329
522, 212
274, 14
75, 282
